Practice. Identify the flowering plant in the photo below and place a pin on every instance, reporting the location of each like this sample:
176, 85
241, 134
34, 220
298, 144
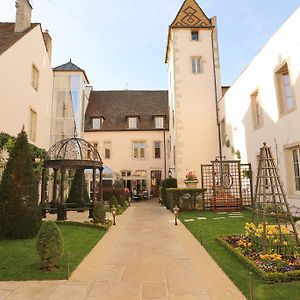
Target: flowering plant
191, 176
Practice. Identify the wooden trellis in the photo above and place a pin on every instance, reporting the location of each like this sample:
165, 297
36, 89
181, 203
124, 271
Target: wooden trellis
271, 209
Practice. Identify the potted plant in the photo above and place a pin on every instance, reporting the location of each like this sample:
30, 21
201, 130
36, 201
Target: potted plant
191, 180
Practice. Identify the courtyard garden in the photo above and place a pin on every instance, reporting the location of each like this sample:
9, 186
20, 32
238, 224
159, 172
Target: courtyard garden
207, 226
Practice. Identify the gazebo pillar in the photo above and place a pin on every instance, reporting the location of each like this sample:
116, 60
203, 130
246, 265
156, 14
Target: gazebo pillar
61, 209
92, 205
43, 193
101, 184
54, 191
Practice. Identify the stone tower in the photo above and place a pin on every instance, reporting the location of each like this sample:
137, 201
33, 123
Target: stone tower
194, 87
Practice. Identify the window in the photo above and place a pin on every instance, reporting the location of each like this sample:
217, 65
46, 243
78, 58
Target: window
256, 110
285, 93
159, 122
196, 65
195, 35
139, 149
132, 122
157, 149
35, 77
32, 125
107, 149
125, 173
223, 132
296, 169
97, 123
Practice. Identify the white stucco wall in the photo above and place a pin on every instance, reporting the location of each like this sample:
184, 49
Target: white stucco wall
278, 131
18, 95
192, 97
122, 150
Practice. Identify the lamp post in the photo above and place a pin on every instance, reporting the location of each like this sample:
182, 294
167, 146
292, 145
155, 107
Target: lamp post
176, 212
114, 213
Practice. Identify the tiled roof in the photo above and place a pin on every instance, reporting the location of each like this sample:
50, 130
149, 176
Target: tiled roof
69, 66
116, 106
8, 37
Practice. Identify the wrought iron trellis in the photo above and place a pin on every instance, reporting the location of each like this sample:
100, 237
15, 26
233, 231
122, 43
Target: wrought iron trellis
234, 177
271, 209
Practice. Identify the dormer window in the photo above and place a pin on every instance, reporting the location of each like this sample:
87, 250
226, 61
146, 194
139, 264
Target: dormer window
159, 122
97, 123
195, 35
132, 122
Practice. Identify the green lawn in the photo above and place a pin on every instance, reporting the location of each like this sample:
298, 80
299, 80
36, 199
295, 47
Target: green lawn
19, 261
209, 229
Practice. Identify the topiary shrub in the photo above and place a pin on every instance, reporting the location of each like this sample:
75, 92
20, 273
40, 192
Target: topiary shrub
49, 245
113, 201
20, 216
99, 213
78, 194
122, 201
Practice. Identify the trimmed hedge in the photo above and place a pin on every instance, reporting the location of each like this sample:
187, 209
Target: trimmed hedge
269, 277
109, 192
186, 199
164, 185
86, 224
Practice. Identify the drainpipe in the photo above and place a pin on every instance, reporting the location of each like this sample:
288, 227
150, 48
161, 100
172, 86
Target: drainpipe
165, 154
216, 101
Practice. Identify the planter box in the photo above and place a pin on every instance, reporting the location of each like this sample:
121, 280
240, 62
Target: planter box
191, 184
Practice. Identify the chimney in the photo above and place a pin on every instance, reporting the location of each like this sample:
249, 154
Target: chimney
23, 15
48, 43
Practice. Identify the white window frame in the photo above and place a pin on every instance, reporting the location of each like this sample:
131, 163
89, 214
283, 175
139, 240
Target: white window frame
97, 123
192, 35
139, 149
159, 122
197, 64
107, 145
157, 142
285, 91
133, 122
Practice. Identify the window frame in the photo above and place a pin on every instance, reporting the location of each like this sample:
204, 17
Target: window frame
195, 33
138, 150
155, 156
101, 121
136, 118
256, 109
197, 68
156, 118
107, 146
35, 80
32, 132
280, 90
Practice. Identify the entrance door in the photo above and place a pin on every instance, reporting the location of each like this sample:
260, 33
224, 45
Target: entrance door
155, 182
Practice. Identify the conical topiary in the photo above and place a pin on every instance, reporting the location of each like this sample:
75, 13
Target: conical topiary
49, 245
78, 193
99, 213
19, 212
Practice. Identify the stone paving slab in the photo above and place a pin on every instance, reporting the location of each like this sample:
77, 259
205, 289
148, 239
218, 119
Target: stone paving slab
143, 257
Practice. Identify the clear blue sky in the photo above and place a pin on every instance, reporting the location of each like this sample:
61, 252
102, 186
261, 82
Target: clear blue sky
121, 42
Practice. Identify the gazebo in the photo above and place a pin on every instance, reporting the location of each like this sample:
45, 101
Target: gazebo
70, 154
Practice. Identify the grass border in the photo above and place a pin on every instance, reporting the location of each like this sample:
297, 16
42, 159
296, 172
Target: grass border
269, 277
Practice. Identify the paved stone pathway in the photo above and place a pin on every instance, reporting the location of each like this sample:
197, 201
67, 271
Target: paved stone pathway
144, 257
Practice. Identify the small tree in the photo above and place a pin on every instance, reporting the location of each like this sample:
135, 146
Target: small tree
77, 188
122, 200
49, 245
167, 183
19, 212
113, 201
99, 213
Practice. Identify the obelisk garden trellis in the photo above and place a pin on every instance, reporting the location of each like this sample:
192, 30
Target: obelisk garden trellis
271, 213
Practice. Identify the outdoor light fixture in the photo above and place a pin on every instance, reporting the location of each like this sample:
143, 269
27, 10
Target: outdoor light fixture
176, 212
114, 213
170, 173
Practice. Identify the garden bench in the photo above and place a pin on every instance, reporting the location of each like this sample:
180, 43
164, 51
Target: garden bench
226, 202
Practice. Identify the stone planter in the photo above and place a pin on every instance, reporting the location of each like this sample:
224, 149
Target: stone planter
191, 184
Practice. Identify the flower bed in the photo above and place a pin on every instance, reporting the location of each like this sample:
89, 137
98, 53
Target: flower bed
271, 267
